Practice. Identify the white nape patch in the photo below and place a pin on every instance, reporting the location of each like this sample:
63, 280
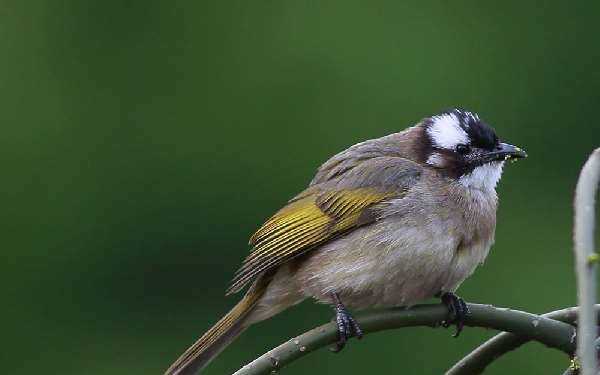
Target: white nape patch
484, 177
445, 131
435, 159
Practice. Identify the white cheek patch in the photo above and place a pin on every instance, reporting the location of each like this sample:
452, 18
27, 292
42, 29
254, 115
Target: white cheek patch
435, 159
484, 177
445, 132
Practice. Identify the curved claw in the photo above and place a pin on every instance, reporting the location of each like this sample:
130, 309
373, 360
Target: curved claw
457, 312
347, 326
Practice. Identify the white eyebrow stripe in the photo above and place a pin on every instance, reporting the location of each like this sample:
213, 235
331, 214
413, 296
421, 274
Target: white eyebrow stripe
446, 132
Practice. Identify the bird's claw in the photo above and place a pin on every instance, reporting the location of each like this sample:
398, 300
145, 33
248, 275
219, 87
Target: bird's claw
457, 311
347, 327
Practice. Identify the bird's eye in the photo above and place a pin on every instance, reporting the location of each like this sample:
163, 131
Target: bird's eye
463, 149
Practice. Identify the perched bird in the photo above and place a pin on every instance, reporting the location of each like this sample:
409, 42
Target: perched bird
387, 222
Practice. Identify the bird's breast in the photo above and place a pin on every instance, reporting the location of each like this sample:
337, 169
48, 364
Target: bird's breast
399, 260
386, 264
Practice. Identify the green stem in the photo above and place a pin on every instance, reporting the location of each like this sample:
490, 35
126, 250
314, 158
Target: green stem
586, 262
476, 361
550, 332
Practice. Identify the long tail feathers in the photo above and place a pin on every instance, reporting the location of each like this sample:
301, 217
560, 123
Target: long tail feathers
207, 347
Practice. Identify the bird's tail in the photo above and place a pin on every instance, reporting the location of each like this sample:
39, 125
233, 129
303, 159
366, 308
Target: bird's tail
207, 347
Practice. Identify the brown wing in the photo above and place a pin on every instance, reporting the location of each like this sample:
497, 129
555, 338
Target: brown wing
303, 224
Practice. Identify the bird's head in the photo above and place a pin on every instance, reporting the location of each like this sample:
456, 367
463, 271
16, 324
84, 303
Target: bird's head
459, 144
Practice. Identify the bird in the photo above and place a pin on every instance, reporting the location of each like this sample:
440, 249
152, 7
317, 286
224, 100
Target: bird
388, 222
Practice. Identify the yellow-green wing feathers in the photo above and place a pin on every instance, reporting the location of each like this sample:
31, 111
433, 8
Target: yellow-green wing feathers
306, 222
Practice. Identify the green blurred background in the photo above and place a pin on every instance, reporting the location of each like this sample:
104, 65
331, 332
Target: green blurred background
144, 141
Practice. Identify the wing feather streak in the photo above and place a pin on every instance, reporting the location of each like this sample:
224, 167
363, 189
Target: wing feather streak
302, 225
329, 208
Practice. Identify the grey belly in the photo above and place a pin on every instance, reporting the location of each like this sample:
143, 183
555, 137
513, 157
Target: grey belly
390, 263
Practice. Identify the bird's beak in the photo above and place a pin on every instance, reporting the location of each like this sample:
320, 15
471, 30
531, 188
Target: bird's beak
505, 151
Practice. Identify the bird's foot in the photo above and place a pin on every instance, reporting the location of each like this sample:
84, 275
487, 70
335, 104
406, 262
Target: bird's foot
347, 326
457, 311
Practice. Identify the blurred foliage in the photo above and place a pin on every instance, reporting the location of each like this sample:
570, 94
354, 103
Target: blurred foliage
144, 141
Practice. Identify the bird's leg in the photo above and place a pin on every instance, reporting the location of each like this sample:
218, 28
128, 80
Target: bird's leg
346, 325
457, 311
